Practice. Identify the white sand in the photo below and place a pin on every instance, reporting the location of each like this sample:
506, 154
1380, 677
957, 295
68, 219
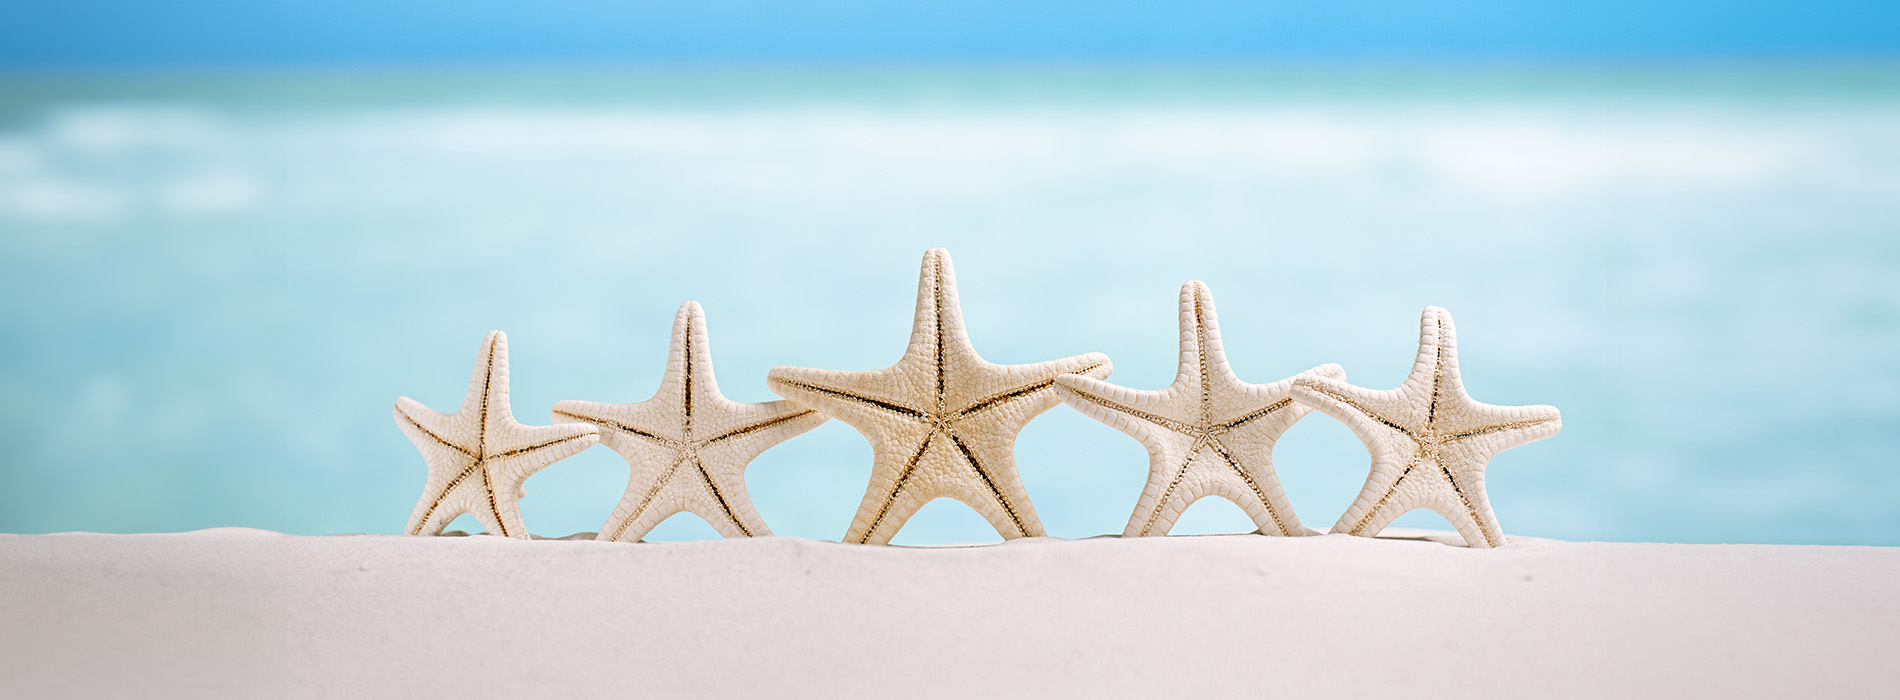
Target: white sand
232, 612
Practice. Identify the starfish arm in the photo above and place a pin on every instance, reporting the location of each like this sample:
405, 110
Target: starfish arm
1378, 504
426, 518
991, 456
526, 449
1162, 498
1469, 507
447, 461
937, 328
881, 514
1363, 411
1019, 393
640, 504
623, 427
894, 492
731, 511
1261, 413
740, 432
488, 391
1509, 426
502, 516
433, 514
863, 400
716, 495
1392, 467
1138, 414
635, 526
1203, 361
492, 353
689, 386
1435, 368
432, 432
1257, 486
466, 492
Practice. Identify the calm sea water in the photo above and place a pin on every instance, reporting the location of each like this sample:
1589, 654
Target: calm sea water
213, 286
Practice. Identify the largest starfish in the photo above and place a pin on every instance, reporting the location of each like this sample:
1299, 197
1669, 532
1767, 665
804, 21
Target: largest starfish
479, 456
687, 447
942, 422
1429, 440
1207, 434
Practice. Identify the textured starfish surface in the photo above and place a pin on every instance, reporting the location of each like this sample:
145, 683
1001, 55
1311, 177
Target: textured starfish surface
1207, 434
687, 448
1429, 440
942, 422
479, 456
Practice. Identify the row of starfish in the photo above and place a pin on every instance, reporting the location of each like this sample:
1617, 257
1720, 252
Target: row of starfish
942, 422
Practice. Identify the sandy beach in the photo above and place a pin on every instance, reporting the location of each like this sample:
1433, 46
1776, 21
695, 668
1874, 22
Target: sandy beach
237, 612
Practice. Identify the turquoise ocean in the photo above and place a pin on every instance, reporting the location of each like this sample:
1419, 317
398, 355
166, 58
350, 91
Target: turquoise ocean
213, 285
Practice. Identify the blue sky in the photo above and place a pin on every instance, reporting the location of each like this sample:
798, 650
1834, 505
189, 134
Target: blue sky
132, 33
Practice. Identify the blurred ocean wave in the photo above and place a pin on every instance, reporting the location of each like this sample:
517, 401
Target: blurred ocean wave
214, 287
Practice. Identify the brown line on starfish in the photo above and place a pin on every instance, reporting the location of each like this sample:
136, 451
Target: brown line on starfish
1470, 508
652, 492
1438, 379
443, 495
718, 497
493, 505
936, 290
1502, 427
1221, 449
1200, 356
433, 436
1174, 425
898, 486
1018, 392
481, 444
987, 481
604, 423
1336, 396
524, 450
886, 405
1389, 490
1237, 422
1168, 493
756, 427
686, 391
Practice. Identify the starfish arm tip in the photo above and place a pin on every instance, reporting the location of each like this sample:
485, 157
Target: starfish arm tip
1071, 383
1329, 370
571, 411
1094, 365
1311, 381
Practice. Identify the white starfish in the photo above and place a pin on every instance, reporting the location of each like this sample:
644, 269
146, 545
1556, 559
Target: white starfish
687, 447
479, 456
1429, 440
942, 422
1207, 434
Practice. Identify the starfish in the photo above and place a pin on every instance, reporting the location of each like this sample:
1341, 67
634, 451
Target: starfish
479, 456
1429, 440
942, 422
687, 447
1207, 434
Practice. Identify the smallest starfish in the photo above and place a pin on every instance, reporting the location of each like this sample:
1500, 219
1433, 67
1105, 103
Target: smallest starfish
1429, 440
1207, 434
687, 447
479, 456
